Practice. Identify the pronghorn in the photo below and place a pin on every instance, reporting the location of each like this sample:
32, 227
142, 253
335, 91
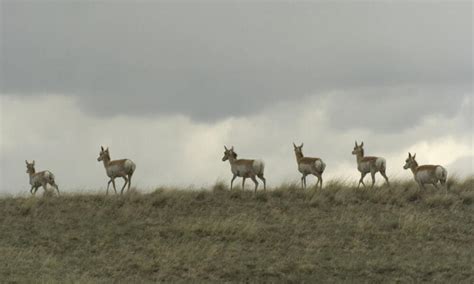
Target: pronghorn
370, 165
426, 173
244, 168
39, 179
308, 166
118, 168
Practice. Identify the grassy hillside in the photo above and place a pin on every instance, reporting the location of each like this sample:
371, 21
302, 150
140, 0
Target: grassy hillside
337, 234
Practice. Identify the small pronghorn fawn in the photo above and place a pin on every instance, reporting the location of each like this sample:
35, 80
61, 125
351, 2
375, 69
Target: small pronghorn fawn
118, 168
309, 166
431, 174
370, 165
244, 168
40, 179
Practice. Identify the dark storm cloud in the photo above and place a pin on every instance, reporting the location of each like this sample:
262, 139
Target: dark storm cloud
214, 60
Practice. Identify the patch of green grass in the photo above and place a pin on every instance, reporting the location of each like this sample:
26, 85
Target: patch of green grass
338, 234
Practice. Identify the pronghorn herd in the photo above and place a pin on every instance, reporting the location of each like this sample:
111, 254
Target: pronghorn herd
249, 168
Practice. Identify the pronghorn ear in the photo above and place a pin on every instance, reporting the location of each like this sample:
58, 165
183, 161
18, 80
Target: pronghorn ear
232, 148
301, 145
356, 143
414, 155
102, 148
294, 145
107, 149
409, 155
33, 163
362, 144
226, 148
26, 162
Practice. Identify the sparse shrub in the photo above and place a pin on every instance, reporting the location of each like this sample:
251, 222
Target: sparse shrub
440, 200
236, 194
467, 197
220, 186
261, 196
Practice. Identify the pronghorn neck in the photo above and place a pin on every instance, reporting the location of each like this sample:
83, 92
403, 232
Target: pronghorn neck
299, 156
359, 157
232, 159
106, 161
414, 167
31, 172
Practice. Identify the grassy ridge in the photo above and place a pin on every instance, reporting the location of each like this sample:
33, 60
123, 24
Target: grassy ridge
335, 234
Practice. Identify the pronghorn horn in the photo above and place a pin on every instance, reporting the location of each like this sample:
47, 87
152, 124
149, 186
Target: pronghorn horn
232, 148
294, 145
414, 155
409, 155
226, 148
102, 148
26, 162
301, 145
362, 144
33, 162
356, 143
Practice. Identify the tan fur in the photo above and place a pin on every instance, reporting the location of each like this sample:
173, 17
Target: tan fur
38, 179
368, 164
123, 168
426, 174
308, 166
244, 168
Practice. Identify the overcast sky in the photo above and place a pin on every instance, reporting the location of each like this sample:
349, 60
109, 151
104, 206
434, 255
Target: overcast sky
168, 84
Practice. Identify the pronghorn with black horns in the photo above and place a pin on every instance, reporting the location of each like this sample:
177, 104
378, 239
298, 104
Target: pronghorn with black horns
244, 168
117, 168
431, 174
39, 179
309, 166
370, 165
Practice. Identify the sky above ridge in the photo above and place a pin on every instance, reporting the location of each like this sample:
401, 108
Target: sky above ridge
167, 84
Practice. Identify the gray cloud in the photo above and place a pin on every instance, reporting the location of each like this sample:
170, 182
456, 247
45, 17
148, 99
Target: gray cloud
211, 61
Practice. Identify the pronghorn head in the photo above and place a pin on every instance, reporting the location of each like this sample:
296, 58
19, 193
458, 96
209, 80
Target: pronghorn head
30, 167
228, 153
358, 149
104, 154
410, 162
298, 149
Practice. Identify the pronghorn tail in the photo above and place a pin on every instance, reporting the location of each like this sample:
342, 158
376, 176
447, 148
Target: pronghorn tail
323, 166
442, 174
130, 166
381, 164
258, 167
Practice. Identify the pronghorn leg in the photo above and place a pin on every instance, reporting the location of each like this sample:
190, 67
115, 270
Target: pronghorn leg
113, 184
445, 185
125, 184
256, 183
232, 181
31, 190
108, 184
362, 176
44, 185
264, 181
422, 186
243, 183
385, 176
129, 181
320, 181
56, 186
302, 182
372, 174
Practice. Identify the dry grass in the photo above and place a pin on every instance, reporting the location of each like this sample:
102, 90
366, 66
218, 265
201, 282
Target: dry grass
338, 234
